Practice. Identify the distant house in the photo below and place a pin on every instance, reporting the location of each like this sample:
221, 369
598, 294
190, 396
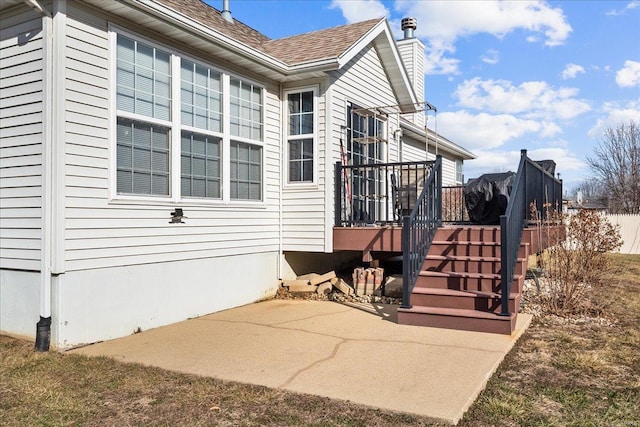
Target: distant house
160, 161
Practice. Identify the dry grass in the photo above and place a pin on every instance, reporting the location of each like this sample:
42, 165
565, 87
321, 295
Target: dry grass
569, 373
573, 372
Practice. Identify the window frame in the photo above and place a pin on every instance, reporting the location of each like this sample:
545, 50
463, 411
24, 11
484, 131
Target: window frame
288, 138
176, 127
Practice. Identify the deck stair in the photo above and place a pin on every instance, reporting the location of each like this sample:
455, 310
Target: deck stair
459, 284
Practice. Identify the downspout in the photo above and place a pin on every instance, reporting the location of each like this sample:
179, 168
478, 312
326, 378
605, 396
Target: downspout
52, 214
43, 327
282, 166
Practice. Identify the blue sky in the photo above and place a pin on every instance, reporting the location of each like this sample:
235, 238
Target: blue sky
548, 76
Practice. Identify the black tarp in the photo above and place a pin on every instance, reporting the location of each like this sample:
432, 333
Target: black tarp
486, 197
547, 166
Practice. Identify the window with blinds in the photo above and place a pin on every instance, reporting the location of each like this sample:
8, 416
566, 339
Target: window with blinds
151, 125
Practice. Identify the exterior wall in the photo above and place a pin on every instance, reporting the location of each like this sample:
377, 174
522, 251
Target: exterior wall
21, 140
303, 204
308, 212
102, 232
448, 170
124, 265
19, 296
412, 54
107, 303
413, 150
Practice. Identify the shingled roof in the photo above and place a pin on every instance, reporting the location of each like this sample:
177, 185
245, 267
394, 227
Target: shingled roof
317, 45
211, 17
298, 49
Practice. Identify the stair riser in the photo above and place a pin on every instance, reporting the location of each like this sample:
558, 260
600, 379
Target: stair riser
461, 323
474, 234
453, 249
462, 266
465, 283
479, 303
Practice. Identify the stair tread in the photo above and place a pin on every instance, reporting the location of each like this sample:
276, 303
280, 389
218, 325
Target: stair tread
470, 242
464, 274
466, 258
455, 292
457, 312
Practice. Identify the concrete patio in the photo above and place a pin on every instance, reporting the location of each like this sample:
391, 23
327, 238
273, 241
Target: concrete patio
353, 352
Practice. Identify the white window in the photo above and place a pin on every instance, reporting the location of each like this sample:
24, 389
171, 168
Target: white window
143, 100
179, 124
246, 110
200, 166
246, 171
459, 175
301, 131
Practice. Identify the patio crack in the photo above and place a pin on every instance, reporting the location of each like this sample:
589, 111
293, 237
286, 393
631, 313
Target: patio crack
314, 364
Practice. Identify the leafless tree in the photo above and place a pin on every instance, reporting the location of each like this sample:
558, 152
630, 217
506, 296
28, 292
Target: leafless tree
592, 189
616, 164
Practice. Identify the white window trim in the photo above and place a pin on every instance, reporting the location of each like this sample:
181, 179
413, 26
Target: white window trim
285, 132
175, 126
226, 117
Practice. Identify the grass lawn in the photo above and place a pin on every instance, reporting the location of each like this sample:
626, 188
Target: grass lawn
581, 372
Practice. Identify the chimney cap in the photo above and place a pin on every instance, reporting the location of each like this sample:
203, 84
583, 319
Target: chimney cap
409, 23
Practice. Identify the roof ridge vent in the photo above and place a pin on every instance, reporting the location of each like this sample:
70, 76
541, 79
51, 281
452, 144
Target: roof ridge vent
409, 25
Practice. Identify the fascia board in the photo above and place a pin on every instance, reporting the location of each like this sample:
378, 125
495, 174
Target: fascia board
382, 28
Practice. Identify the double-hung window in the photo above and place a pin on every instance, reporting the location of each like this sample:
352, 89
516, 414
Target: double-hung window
301, 128
247, 130
143, 101
170, 107
201, 135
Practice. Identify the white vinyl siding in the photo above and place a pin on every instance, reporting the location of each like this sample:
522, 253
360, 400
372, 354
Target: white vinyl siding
21, 135
308, 213
101, 232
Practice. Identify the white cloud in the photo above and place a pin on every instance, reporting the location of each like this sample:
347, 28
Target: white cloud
360, 10
533, 99
615, 114
484, 131
632, 5
491, 56
629, 75
502, 160
572, 70
441, 23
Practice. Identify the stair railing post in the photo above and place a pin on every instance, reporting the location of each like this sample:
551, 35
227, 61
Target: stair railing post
406, 261
438, 167
338, 194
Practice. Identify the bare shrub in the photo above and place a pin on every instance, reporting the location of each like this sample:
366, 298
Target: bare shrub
575, 265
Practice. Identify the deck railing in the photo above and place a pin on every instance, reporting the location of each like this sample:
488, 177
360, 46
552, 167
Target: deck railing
532, 184
378, 193
419, 229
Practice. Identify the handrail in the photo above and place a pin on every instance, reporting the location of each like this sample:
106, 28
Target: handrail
419, 229
532, 184
377, 193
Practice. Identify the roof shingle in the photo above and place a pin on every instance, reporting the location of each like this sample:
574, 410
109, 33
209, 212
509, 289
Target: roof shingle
298, 49
317, 45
